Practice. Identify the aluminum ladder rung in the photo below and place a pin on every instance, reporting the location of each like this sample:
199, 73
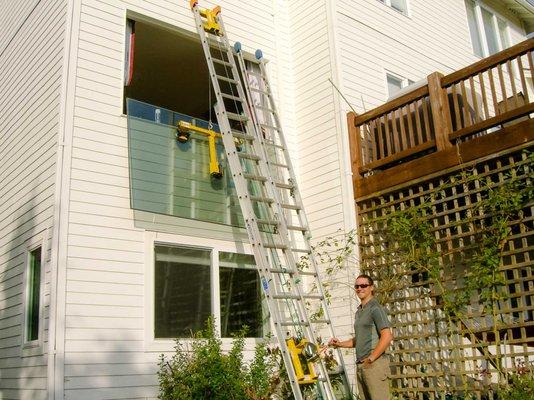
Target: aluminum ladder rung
231, 97
259, 91
279, 165
249, 156
255, 177
291, 272
291, 206
268, 222
242, 135
297, 228
265, 108
277, 146
226, 79
236, 117
320, 321
263, 199
289, 296
282, 185
221, 62
281, 246
274, 128
294, 323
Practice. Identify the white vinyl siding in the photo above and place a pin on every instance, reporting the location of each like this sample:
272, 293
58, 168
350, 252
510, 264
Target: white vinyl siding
31, 50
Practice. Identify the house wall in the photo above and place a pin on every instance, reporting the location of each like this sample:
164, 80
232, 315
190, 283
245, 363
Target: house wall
108, 349
31, 51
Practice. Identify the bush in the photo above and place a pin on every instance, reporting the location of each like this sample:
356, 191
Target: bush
520, 385
201, 371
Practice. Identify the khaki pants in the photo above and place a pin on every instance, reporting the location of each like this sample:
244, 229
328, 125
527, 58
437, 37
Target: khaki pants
373, 381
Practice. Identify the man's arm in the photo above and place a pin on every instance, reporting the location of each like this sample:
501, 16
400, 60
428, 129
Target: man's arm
335, 342
386, 336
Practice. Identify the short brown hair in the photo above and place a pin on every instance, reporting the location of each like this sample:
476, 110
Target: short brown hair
369, 279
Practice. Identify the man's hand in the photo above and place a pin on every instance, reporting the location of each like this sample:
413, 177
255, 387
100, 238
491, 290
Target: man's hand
367, 362
334, 342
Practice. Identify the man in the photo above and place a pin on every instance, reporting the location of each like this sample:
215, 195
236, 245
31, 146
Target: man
372, 337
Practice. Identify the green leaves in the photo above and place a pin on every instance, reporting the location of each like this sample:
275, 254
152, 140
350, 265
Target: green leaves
202, 371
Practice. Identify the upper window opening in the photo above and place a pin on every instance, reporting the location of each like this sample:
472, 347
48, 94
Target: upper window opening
488, 31
398, 5
166, 69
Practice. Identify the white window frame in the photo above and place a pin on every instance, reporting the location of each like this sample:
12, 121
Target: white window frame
405, 12
33, 347
405, 82
153, 239
482, 30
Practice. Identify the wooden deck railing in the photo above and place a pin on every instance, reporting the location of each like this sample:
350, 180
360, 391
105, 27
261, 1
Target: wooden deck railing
467, 103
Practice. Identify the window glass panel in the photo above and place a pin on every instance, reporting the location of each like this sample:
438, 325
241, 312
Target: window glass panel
34, 291
489, 29
394, 84
502, 33
173, 178
399, 5
240, 295
473, 29
182, 297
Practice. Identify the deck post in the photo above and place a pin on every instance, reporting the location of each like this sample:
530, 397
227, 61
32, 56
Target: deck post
355, 145
440, 111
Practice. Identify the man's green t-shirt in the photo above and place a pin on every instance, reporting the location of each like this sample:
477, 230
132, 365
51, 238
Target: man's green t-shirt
369, 320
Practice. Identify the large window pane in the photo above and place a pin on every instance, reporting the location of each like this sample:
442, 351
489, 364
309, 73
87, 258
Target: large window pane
240, 295
34, 294
473, 29
489, 29
182, 300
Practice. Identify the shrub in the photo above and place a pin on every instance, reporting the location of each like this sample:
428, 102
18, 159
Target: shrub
201, 371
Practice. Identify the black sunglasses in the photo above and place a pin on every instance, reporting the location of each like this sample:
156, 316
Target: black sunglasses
363, 286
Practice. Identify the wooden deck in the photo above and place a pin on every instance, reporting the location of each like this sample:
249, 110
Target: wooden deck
454, 119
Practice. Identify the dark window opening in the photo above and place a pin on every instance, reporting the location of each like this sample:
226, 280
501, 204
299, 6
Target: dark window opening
34, 295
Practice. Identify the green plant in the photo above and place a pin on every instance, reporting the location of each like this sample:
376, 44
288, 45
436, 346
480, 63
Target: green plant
202, 371
520, 385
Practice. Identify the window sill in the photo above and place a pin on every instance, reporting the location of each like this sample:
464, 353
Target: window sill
31, 349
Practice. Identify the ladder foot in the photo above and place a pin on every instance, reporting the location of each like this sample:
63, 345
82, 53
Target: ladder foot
259, 54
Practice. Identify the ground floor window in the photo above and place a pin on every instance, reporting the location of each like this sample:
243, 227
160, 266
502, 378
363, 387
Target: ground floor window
190, 284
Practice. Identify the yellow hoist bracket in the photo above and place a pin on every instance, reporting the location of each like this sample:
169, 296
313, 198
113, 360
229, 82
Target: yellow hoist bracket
303, 354
184, 131
210, 24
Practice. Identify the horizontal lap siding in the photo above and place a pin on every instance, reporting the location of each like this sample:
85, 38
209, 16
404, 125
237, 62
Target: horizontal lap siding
31, 50
105, 354
374, 39
315, 119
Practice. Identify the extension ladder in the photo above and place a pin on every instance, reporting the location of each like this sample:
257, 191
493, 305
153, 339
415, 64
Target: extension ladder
271, 205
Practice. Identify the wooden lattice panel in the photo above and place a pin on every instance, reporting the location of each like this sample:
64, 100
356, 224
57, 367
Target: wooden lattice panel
433, 355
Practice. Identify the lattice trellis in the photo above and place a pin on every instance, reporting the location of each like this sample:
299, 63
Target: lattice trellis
433, 355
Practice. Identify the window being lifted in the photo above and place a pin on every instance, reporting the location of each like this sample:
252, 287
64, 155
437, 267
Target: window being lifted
167, 81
